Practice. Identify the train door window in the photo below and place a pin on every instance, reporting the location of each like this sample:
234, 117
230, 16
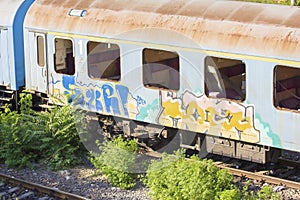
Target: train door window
161, 69
64, 62
286, 87
40, 41
225, 78
103, 61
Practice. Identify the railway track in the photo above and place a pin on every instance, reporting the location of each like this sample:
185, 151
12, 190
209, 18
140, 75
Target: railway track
254, 172
260, 176
14, 188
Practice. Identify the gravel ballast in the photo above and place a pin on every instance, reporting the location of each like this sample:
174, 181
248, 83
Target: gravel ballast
79, 180
82, 181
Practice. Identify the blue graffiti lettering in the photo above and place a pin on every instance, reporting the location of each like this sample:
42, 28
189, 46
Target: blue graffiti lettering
110, 101
91, 96
99, 107
123, 93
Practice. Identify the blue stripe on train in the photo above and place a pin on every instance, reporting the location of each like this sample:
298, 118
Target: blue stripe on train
19, 43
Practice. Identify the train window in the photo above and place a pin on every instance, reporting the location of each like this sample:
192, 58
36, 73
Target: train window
40, 41
103, 61
161, 69
287, 87
225, 78
64, 62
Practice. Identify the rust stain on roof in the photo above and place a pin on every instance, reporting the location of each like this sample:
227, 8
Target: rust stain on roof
239, 27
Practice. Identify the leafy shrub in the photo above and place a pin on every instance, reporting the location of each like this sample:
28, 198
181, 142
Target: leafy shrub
174, 177
61, 141
284, 2
20, 134
28, 137
178, 178
266, 193
117, 161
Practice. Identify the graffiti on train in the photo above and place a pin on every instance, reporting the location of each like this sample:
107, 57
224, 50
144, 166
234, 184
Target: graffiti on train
206, 115
108, 98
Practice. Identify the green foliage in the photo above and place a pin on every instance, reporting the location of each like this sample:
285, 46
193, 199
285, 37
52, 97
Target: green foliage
28, 137
283, 2
174, 177
117, 161
266, 193
179, 178
62, 142
26, 103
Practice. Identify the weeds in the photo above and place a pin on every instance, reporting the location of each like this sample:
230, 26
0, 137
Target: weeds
117, 161
283, 2
48, 138
174, 177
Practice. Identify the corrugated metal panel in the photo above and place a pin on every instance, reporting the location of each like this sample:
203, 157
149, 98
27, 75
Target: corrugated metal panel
8, 9
255, 29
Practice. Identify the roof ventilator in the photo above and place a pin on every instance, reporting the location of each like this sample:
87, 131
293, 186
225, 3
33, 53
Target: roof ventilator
77, 13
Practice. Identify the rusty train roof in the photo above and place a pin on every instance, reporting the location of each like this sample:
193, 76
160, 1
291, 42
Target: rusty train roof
240, 27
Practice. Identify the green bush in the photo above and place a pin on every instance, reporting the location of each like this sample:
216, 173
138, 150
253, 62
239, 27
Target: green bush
174, 177
61, 141
283, 2
28, 137
117, 161
266, 193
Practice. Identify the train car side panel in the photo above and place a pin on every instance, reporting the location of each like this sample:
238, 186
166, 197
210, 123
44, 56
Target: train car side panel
4, 59
8, 11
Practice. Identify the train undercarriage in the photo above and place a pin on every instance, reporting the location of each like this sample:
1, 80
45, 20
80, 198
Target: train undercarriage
163, 139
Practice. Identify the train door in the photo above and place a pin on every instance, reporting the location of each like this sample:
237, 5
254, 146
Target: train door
4, 66
61, 65
39, 69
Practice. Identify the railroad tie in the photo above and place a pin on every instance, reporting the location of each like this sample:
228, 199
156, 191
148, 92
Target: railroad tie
24, 196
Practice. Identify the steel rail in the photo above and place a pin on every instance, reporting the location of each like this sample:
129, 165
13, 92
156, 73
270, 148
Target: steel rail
261, 177
251, 175
42, 189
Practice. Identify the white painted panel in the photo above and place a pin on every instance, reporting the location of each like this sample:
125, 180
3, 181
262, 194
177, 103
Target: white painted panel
32, 81
38, 74
4, 66
8, 8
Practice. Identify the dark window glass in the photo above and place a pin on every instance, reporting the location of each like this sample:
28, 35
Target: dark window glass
40, 50
225, 78
161, 69
64, 61
287, 87
103, 61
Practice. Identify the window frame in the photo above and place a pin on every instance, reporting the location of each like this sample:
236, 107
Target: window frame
118, 62
238, 91
38, 49
158, 85
73, 69
286, 85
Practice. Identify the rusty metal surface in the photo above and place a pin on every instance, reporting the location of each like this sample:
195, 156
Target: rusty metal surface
238, 27
8, 10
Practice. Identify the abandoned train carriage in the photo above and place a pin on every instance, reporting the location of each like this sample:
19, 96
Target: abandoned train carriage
224, 69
